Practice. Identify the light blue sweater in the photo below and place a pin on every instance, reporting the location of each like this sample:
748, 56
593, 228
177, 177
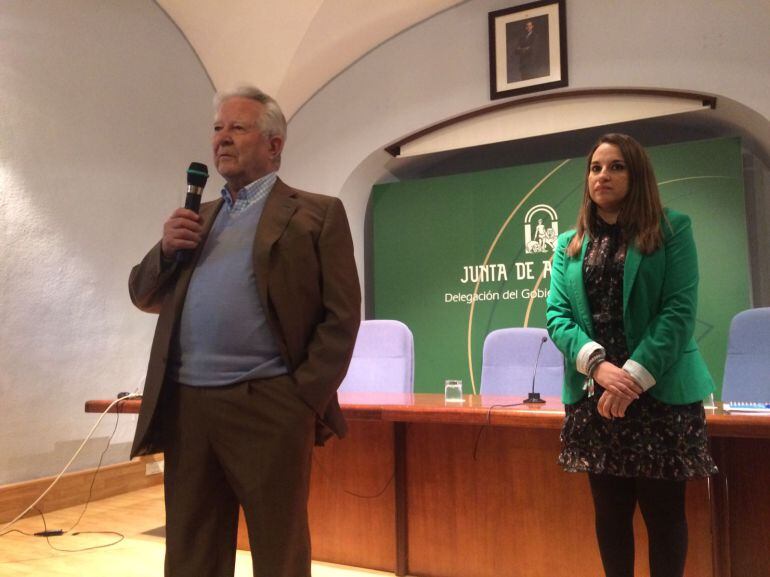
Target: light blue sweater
223, 336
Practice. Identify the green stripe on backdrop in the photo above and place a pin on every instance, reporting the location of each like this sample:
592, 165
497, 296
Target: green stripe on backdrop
459, 256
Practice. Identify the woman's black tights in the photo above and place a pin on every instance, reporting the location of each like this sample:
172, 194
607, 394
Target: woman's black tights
662, 505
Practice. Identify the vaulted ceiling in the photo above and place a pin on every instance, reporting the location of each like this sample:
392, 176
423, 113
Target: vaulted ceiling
290, 48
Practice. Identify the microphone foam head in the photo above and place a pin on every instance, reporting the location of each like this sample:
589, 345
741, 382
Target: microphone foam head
197, 174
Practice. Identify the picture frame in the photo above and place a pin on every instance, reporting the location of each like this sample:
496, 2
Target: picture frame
527, 48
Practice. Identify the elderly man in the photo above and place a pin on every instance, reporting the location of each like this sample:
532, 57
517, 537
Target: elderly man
254, 336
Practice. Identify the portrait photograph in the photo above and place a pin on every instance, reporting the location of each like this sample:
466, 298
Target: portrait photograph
527, 46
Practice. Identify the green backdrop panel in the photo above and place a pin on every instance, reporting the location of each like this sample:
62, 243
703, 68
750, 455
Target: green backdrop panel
457, 257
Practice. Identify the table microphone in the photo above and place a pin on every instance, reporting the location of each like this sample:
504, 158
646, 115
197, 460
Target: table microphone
534, 397
197, 175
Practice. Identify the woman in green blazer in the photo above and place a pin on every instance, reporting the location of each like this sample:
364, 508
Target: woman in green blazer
622, 304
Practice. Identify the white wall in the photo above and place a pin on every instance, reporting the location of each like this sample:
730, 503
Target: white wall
102, 107
439, 69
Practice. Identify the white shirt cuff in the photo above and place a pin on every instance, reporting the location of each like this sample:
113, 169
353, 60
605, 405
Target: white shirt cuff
585, 353
639, 374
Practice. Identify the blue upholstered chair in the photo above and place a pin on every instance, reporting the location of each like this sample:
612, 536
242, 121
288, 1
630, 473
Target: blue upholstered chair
747, 367
383, 359
508, 363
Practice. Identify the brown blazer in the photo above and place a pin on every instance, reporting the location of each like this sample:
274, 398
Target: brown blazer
308, 286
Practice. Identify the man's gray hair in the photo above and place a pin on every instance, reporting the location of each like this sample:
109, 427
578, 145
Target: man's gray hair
272, 122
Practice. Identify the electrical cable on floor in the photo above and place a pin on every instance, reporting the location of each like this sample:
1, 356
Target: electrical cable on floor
18, 531
98, 468
5, 529
58, 533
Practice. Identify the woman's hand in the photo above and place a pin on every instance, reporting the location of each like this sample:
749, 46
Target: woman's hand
617, 381
611, 405
620, 390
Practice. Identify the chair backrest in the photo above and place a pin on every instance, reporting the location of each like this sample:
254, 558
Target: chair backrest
747, 367
508, 363
383, 359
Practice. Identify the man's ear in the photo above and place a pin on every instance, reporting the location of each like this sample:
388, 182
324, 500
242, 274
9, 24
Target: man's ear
276, 145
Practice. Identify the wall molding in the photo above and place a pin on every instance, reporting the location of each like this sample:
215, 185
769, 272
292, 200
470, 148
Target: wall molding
594, 107
73, 488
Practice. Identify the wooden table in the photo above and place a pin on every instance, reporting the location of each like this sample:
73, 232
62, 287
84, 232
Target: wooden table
430, 489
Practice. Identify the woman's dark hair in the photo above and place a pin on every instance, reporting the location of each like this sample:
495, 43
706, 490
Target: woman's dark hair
641, 212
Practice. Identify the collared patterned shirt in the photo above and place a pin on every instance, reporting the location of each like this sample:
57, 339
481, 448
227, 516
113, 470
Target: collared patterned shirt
250, 194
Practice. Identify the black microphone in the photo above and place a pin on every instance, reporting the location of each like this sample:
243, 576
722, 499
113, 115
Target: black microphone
533, 396
197, 175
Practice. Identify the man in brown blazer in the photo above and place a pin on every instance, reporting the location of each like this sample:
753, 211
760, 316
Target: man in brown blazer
254, 336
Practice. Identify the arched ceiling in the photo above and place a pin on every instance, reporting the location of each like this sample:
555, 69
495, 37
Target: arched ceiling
290, 48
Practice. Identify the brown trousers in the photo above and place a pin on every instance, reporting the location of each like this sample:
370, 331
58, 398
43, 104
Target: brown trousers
247, 444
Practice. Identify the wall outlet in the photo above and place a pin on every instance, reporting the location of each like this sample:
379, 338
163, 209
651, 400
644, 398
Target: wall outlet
153, 468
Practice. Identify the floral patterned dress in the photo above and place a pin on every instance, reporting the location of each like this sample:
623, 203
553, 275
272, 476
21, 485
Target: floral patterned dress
654, 440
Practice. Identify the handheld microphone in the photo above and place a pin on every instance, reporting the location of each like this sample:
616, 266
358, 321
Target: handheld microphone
197, 175
534, 397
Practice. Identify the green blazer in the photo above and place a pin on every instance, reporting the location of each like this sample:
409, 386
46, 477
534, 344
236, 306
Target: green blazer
660, 298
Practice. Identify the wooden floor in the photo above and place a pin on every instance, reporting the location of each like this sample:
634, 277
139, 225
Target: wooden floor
138, 516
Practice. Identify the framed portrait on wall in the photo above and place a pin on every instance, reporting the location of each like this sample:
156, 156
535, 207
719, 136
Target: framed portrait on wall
527, 48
